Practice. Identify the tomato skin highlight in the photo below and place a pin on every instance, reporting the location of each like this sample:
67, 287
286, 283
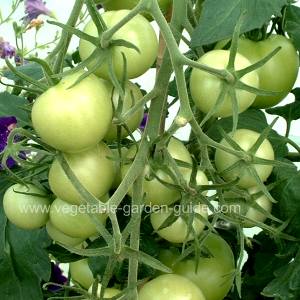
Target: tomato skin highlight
205, 88
170, 286
93, 168
73, 220
245, 138
279, 74
137, 31
214, 275
73, 119
26, 211
132, 95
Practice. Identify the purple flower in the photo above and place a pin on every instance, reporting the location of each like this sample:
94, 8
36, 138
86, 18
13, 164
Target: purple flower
7, 124
56, 277
34, 8
144, 122
6, 50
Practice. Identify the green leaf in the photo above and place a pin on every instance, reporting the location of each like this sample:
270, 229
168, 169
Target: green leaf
255, 120
292, 25
11, 105
219, 17
33, 70
290, 111
24, 262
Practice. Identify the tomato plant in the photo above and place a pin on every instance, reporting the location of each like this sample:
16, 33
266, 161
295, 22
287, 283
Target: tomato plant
206, 88
170, 286
213, 275
137, 31
89, 166
245, 139
26, 206
61, 114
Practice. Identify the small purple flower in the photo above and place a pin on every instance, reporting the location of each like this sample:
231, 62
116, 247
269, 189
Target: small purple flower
6, 50
34, 8
56, 277
7, 124
144, 122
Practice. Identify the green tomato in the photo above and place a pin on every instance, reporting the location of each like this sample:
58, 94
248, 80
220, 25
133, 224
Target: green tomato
26, 206
245, 138
74, 220
155, 192
81, 273
170, 286
214, 275
279, 73
129, 4
93, 169
132, 96
178, 231
137, 31
108, 293
206, 88
241, 207
73, 119
58, 236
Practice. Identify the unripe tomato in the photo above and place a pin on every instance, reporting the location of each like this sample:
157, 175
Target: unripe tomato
73, 119
58, 236
132, 96
81, 273
214, 275
279, 73
137, 31
177, 232
93, 168
26, 206
108, 293
206, 88
170, 286
73, 220
245, 138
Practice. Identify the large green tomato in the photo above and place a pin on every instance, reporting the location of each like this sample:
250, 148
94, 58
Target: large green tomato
214, 275
177, 232
132, 96
279, 73
245, 138
92, 167
170, 286
206, 88
129, 4
29, 211
73, 119
81, 273
238, 206
74, 220
58, 236
155, 192
137, 31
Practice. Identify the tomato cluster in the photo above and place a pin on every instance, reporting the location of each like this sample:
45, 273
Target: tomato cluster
79, 119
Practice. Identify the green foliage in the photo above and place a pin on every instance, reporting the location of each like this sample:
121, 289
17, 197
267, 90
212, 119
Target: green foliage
219, 18
32, 70
292, 25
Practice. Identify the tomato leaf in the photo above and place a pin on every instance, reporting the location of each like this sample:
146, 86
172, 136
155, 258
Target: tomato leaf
11, 105
33, 70
219, 17
292, 25
24, 263
290, 111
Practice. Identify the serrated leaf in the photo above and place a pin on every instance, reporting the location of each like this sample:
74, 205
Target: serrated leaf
219, 17
11, 105
255, 120
290, 111
24, 262
292, 25
33, 70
